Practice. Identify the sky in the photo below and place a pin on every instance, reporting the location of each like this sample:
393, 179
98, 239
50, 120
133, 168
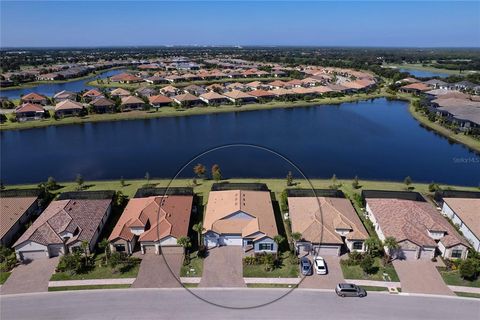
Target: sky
318, 23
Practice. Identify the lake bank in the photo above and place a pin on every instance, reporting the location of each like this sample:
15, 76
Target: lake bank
420, 67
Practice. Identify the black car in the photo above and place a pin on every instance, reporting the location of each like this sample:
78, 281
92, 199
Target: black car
350, 290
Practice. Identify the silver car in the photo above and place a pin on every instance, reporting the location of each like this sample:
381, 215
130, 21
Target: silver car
350, 290
306, 266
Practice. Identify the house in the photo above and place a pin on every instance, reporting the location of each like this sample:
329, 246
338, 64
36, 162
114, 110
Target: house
415, 88
212, 97
169, 91
64, 95
120, 92
125, 78
237, 96
132, 103
160, 101
62, 228
236, 86
103, 105
328, 225
29, 111
16, 209
194, 89
435, 83
215, 87
461, 109
417, 226
156, 80
465, 214
152, 222
254, 85
145, 92
187, 100
240, 218
294, 83
464, 85
91, 95
277, 84
68, 108
34, 98
282, 92
262, 94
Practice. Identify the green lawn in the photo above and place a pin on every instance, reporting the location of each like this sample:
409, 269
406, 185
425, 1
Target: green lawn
372, 288
100, 271
468, 294
4, 276
90, 287
356, 272
196, 264
453, 278
421, 67
286, 270
190, 285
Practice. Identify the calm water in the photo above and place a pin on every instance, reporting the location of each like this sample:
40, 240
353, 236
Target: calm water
51, 88
424, 74
372, 139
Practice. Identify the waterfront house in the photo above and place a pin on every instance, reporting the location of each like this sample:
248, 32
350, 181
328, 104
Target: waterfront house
160, 101
103, 105
212, 97
62, 228
125, 78
461, 109
240, 218
64, 95
132, 103
237, 96
262, 94
34, 98
187, 100
329, 225
152, 223
29, 111
414, 88
68, 108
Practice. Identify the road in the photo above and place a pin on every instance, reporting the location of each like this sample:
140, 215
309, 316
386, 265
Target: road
180, 304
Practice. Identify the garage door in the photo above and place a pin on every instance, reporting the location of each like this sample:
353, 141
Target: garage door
32, 255
230, 241
171, 250
426, 254
149, 249
408, 254
326, 250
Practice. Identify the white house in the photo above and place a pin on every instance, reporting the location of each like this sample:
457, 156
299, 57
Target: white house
465, 213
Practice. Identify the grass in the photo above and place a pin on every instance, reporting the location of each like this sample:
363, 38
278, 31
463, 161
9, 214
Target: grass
421, 67
286, 270
270, 285
374, 288
196, 263
356, 272
174, 112
90, 287
4, 276
98, 272
190, 285
453, 278
468, 294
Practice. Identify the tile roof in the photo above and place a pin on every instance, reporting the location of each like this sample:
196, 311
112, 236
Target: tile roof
132, 100
212, 95
66, 215
261, 93
120, 92
185, 97
318, 218
12, 209
167, 216
236, 94
102, 102
92, 93
416, 86
468, 210
159, 99
33, 96
411, 220
29, 107
68, 105
257, 204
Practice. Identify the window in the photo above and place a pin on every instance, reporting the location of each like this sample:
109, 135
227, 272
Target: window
357, 245
456, 253
249, 242
120, 248
266, 246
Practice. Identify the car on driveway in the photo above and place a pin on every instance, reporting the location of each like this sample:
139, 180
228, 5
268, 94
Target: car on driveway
320, 265
350, 290
306, 266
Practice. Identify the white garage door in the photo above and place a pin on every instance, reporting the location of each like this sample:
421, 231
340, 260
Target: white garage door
326, 250
408, 254
426, 254
230, 241
32, 255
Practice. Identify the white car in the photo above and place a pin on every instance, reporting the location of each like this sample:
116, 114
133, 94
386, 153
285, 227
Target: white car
320, 265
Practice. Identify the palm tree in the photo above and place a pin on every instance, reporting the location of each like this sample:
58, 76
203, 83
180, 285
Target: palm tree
105, 245
198, 228
371, 244
391, 244
296, 236
185, 243
85, 246
278, 240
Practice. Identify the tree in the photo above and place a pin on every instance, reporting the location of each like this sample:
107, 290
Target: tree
51, 184
367, 264
355, 183
122, 182
391, 244
278, 240
147, 177
2, 185
85, 246
289, 179
469, 269
432, 187
79, 181
296, 236
407, 181
185, 243
199, 170
372, 245
105, 246
216, 172
198, 228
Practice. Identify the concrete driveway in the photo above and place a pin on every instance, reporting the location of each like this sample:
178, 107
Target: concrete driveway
31, 277
420, 276
328, 281
156, 270
223, 267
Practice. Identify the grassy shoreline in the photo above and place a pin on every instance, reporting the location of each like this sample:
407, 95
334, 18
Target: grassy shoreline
419, 67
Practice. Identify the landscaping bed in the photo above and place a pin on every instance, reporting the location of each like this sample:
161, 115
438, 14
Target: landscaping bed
195, 263
453, 278
4, 276
356, 272
286, 268
90, 287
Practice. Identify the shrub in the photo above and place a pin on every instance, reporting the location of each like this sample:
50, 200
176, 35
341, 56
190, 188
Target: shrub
469, 269
202, 251
354, 258
367, 264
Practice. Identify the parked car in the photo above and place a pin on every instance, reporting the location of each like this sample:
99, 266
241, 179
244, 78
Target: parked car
350, 290
306, 266
320, 265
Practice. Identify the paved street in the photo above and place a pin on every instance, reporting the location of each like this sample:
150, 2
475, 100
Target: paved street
155, 273
223, 267
420, 276
328, 281
31, 277
180, 304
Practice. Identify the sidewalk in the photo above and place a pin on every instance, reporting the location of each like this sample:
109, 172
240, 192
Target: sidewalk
273, 280
387, 284
464, 289
67, 283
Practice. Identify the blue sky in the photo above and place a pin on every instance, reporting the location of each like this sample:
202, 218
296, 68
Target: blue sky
339, 23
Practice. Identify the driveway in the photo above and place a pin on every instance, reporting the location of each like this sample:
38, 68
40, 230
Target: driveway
31, 277
223, 267
156, 270
328, 281
420, 276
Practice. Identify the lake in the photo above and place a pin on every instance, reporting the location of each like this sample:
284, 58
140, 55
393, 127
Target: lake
375, 139
49, 89
424, 74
